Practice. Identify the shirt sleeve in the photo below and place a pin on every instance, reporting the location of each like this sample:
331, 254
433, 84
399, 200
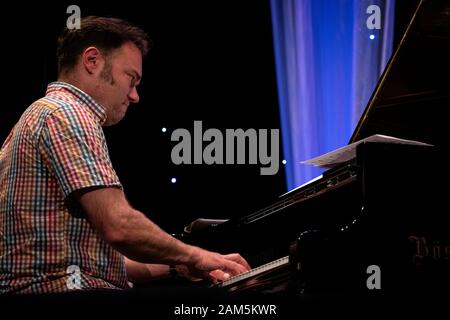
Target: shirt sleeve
75, 150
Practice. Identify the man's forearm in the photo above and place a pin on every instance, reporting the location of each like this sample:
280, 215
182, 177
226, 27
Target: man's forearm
138, 272
130, 232
143, 241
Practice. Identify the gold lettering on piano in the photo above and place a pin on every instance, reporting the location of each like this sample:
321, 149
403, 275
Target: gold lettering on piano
433, 249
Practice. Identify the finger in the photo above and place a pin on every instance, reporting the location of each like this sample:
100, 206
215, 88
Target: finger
239, 259
219, 275
233, 268
213, 277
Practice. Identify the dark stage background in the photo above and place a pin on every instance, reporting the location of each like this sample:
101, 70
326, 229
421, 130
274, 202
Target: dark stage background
211, 61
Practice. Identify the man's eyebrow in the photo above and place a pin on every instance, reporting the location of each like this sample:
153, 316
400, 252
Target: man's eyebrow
135, 74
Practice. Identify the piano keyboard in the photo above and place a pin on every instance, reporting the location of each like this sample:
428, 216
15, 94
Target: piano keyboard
254, 272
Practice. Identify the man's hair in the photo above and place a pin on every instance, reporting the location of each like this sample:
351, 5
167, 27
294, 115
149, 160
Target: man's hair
107, 34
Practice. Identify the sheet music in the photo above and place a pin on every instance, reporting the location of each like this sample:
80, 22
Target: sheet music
348, 152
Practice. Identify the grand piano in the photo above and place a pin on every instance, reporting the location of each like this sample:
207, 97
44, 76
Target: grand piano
378, 222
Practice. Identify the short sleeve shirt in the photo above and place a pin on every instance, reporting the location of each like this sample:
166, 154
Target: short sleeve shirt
47, 243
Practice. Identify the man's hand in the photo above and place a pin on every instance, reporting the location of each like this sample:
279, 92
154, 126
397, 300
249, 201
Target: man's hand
217, 267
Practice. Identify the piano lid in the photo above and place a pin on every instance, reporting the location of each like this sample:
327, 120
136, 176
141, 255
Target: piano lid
412, 97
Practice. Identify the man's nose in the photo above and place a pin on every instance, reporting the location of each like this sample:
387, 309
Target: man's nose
133, 95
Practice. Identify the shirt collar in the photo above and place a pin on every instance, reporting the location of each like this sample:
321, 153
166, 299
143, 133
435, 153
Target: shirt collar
97, 109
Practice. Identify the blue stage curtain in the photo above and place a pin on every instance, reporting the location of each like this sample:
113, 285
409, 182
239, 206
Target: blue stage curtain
327, 66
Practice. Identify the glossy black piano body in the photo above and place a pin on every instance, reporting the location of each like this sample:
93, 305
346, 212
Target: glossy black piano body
402, 229
389, 207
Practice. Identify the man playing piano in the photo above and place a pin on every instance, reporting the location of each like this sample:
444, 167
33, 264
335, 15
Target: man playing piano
65, 222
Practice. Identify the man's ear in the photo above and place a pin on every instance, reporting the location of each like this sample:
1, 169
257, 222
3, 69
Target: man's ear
92, 60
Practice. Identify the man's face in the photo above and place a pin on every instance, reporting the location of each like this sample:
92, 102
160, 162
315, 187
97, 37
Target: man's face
118, 80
